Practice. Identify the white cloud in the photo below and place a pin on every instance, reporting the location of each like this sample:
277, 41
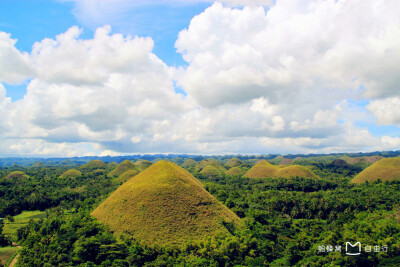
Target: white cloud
275, 80
386, 111
14, 66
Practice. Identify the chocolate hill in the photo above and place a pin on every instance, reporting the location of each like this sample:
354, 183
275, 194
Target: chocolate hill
387, 169
264, 169
233, 162
164, 205
123, 167
72, 173
17, 175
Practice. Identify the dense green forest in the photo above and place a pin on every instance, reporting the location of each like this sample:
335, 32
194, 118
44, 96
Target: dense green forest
288, 222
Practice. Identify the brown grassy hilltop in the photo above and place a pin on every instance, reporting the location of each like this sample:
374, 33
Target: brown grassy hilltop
17, 175
123, 167
387, 169
264, 169
189, 163
164, 205
72, 173
233, 162
235, 171
94, 164
211, 172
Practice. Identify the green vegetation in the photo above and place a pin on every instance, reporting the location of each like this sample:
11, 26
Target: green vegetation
6, 254
164, 205
385, 169
282, 221
13, 223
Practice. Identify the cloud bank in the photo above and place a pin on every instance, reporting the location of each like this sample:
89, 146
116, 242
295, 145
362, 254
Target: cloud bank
282, 79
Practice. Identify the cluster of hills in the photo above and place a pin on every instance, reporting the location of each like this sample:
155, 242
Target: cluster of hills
160, 202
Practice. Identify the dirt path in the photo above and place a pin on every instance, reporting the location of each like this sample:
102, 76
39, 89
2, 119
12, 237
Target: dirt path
14, 261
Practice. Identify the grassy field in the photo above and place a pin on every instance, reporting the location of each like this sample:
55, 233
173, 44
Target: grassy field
10, 228
6, 253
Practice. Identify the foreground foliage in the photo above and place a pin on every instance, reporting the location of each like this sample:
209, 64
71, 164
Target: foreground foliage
286, 221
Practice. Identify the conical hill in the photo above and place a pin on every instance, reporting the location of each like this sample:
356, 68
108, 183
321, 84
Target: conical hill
234, 171
387, 169
164, 205
143, 164
264, 169
94, 164
72, 173
189, 163
123, 167
233, 162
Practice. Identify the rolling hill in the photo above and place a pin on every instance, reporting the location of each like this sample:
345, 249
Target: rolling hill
234, 171
233, 162
17, 175
264, 169
164, 205
123, 167
72, 173
386, 169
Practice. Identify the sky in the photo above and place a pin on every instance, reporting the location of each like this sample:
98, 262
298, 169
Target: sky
122, 77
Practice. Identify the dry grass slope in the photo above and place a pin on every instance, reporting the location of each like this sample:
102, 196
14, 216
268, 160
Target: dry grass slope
264, 169
295, 171
17, 175
387, 169
234, 171
286, 161
189, 163
126, 176
94, 164
164, 205
211, 172
72, 173
121, 168
233, 162
143, 164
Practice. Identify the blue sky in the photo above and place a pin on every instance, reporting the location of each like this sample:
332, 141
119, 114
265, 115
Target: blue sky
100, 77
32, 21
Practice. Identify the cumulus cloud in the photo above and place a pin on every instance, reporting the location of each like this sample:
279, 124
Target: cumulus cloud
15, 66
386, 111
107, 89
258, 80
